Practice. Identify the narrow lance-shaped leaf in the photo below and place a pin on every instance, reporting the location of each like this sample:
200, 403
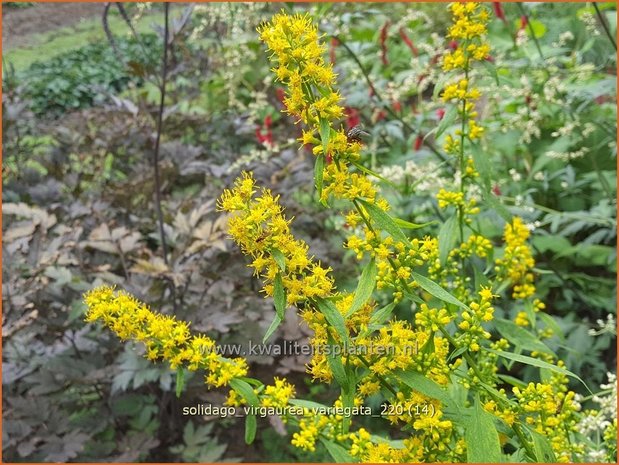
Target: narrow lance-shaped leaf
250, 428
279, 296
436, 290
337, 452
180, 381
364, 290
384, 221
245, 391
274, 325
481, 437
333, 317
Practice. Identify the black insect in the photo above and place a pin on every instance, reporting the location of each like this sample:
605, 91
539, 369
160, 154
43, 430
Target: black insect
354, 134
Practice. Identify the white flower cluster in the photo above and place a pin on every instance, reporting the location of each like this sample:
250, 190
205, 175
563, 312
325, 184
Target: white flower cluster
567, 156
608, 326
426, 178
596, 424
590, 22
564, 38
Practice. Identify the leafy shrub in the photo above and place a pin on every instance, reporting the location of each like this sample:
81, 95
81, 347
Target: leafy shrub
89, 75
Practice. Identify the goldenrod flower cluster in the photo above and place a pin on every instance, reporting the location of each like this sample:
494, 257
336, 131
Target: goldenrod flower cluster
517, 260
294, 43
165, 337
468, 30
259, 227
314, 424
551, 410
318, 366
278, 394
471, 324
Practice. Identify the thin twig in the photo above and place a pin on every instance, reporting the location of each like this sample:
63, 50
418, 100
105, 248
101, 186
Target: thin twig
108, 32
125, 16
604, 25
530, 26
157, 189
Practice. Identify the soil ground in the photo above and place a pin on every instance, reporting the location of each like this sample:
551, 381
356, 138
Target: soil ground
20, 24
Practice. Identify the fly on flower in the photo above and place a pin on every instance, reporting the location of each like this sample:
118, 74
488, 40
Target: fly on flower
355, 133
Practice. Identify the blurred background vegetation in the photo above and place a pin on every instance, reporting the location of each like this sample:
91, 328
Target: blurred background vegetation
81, 93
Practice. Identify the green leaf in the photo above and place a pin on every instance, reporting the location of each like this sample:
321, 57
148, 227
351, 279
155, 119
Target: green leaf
496, 205
537, 363
333, 317
491, 68
513, 381
274, 325
279, 258
180, 381
384, 221
337, 452
408, 225
245, 391
380, 316
482, 164
364, 290
552, 324
420, 383
447, 238
436, 290
481, 437
520, 337
279, 296
325, 134
369, 172
319, 168
348, 400
448, 119
334, 359
250, 428
308, 404
538, 28
541, 446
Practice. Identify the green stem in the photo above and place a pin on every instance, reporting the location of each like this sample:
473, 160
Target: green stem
530, 27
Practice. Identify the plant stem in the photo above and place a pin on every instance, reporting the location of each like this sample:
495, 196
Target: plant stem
164, 74
157, 175
604, 25
530, 27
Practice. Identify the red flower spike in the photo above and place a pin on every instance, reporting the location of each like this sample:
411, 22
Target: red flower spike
397, 106
383, 43
352, 117
418, 142
453, 44
523, 22
496, 190
280, 94
408, 42
334, 43
498, 11
440, 113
